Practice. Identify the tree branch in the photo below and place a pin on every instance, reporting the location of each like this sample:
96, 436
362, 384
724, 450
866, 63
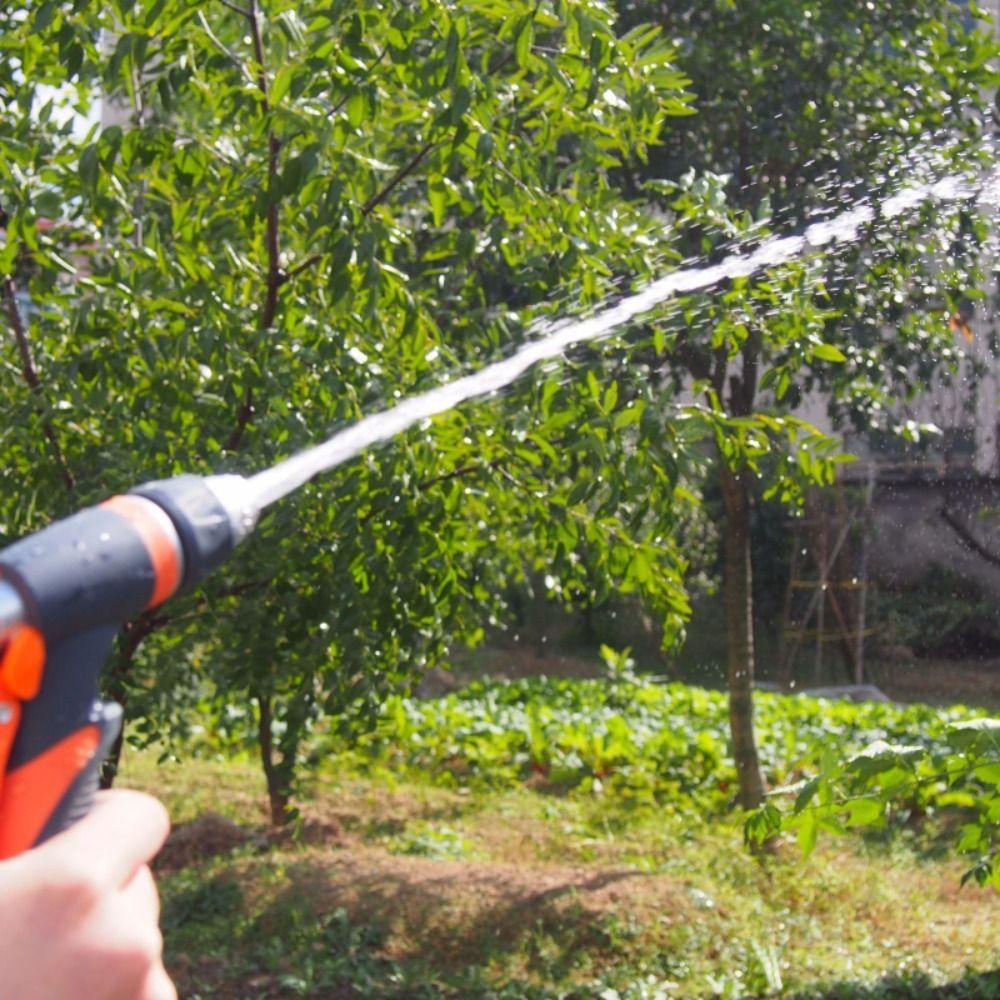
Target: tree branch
274, 274
719, 371
397, 178
967, 538
339, 106
275, 277
311, 261
30, 375
692, 359
748, 381
464, 470
257, 39
370, 205
415, 161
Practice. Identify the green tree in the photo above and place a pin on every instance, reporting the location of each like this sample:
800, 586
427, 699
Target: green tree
805, 104
307, 210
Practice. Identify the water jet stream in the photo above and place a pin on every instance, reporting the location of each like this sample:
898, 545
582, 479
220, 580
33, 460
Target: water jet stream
272, 484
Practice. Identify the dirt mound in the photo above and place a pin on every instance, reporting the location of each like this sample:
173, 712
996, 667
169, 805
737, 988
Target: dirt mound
205, 837
467, 903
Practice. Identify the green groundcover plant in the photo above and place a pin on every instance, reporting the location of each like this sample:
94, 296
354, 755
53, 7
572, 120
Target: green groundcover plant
885, 779
849, 765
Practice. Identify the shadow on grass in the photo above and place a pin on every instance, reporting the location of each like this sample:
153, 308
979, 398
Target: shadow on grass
403, 929
912, 986
458, 913
378, 933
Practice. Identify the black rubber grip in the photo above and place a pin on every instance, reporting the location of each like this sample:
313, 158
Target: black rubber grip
89, 570
79, 799
65, 701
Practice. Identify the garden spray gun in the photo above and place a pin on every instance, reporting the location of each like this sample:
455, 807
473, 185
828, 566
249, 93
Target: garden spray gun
64, 593
67, 590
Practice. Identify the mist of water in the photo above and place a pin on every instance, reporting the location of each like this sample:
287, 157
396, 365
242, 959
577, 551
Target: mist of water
554, 339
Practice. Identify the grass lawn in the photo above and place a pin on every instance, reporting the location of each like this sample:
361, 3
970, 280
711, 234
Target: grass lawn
393, 886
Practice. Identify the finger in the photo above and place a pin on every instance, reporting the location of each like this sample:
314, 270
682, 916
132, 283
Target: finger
124, 830
158, 986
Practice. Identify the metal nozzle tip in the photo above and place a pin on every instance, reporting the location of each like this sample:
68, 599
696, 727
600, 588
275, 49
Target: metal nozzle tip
11, 609
237, 499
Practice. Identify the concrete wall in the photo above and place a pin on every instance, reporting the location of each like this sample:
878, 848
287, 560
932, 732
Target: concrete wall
910, 537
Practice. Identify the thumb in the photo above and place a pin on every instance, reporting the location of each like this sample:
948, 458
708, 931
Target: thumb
123, 832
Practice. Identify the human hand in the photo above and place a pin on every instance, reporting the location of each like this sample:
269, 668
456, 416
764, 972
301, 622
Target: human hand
79, 914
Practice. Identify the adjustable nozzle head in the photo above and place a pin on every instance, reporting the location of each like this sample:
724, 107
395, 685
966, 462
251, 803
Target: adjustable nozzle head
211, 515
104, 565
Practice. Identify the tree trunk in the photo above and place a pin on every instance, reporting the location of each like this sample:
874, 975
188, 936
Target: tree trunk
738, 596
115, 690
278, 792
109, 767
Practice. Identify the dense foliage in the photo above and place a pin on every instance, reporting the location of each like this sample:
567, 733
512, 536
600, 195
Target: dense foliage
809, 108
867, 788
404, 885
849, 764
562, 838
636, 737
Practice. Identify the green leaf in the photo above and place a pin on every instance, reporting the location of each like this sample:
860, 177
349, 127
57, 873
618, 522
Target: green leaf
593, 386
762, 824
8, 255
484, 146
990, 773
976, 734
523, 42
808, 828
827, 352
610, 397
89, 167
437, 196
60, 262
806, 794
864, 812
356, 108
281, 82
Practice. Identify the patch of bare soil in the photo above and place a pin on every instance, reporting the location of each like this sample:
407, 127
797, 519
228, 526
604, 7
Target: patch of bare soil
942, 682
463, 905
506, 664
